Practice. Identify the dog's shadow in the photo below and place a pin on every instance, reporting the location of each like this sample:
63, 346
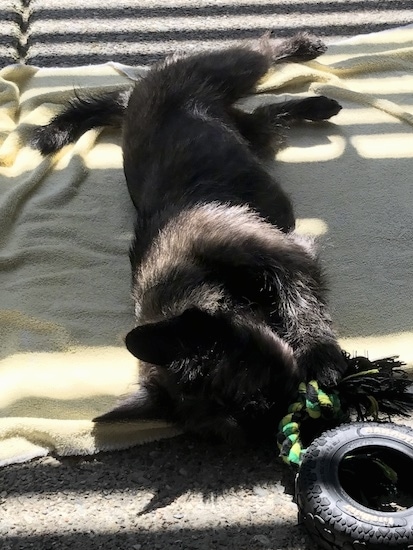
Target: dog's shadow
167, 469
171, 468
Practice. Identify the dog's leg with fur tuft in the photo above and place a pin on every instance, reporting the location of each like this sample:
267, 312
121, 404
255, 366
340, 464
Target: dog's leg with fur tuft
82, 114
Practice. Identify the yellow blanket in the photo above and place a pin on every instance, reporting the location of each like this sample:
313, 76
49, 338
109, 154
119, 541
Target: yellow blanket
66, 223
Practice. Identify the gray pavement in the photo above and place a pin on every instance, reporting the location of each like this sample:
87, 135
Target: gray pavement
179, 493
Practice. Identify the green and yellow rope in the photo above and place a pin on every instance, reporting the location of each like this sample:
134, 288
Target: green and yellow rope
312, 402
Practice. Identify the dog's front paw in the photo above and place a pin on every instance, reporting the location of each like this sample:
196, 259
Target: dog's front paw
324, 362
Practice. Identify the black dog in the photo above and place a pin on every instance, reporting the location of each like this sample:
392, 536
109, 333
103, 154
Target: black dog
230, 302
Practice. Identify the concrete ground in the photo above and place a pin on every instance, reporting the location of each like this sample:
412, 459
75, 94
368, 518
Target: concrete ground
179, 493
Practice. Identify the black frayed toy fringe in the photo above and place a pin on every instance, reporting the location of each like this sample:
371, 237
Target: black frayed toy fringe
370, 388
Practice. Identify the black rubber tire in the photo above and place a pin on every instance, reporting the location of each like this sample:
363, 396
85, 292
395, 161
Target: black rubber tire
335, 520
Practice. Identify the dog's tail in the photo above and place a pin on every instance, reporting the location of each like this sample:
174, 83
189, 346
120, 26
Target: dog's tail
82, 114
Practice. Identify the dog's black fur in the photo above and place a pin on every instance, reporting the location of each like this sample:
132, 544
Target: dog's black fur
230, 302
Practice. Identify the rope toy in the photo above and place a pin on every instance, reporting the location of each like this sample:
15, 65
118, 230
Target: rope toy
368, 389
312, 403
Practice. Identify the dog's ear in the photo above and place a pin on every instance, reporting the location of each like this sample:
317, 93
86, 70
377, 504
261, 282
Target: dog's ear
163, 342
144, 404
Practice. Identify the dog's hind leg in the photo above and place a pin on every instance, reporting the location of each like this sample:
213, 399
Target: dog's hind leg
263, 129
230, 74
298, 48
82, 114
215, 77
308, 108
